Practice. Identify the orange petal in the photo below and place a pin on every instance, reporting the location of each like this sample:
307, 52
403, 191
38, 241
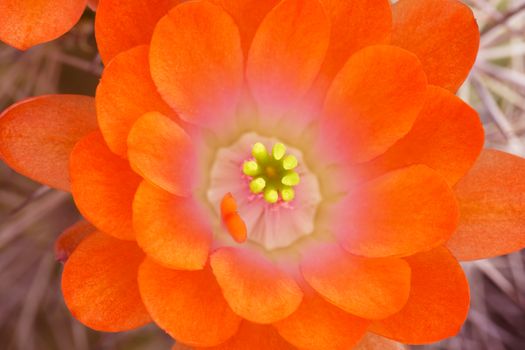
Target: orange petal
355, 25
248, 15
100, 287
103, 186
122, 24
125, 93
26, 23
187, 304
374, 101
180, 346
197, 62
255, 288
442, 33
38, 135
398, 214
375, 342
286, 54
93, 4
171, 229
492, 207
438, 302
69, 240
368, 288
318, 325
163, 153
255, 337
447, 136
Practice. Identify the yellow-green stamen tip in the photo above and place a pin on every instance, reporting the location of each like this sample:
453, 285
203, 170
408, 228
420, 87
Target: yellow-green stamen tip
278, 151
260, 153
251, 168
289, 162
287, 194
257, 185
272, 174
271, 195
291, 179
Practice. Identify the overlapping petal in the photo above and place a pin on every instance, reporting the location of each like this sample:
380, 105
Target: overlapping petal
122, 24
398, 214
100, 287
69, 240
187, 304
103, 186
373, 101
197, 62
368, 288
254, 337
248, 15
319, 325
171, 230
26, 23
442, 33
38, 135
492, 205
162, 152
438, 302
447, 136
286, 54
125, 93
92, 4
354, 25
254, 287
375, 342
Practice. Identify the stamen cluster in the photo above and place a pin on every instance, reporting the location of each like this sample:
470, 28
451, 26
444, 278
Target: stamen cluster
272, 174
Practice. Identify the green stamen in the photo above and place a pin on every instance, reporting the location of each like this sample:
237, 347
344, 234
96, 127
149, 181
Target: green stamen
278, 151
271, 195
260, 153
251, 168
291, 179
287, 194
289, 162
257, 185
273, 173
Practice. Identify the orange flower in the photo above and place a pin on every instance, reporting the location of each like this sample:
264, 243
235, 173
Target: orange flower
26, 23
275, 175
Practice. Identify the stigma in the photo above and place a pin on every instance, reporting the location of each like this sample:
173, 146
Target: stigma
272, 174
232, 220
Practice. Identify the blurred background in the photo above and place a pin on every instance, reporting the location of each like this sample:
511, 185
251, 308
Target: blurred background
32, 313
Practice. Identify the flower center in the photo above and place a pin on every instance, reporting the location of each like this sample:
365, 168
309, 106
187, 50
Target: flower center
276, 194
272, 174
